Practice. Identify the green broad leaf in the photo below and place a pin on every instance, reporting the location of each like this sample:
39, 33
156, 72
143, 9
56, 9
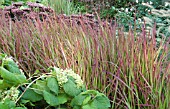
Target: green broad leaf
40, 86
3, 106
86, 100
2, 1
76, 107
63, 108
32, 96
24, 102
2, 56
101, 102
5, 84
20, 108
51, 99
1, 82
78, 100
9, 103
11, 66
87, 92
62, 98
53, 85
71, 89
12, 77
84, 88
89, 106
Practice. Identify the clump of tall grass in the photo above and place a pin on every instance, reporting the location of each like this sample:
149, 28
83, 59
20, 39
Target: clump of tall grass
62, 6
130, 69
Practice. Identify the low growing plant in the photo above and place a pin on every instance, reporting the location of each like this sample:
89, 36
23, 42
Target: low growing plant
59, 88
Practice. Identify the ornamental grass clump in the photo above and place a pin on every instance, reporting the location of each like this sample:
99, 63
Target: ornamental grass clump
131, 69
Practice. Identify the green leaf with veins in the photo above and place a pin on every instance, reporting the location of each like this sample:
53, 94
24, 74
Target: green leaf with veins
53, 84
71, 88
14, 78
11, 66
32, 96
40, 86
51, 99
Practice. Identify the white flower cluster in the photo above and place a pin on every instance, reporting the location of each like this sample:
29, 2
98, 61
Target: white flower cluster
77, 78
9, 58
12, 94
62, 76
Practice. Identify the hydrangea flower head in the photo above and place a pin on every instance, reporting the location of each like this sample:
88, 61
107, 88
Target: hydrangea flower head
63, 75
11, 94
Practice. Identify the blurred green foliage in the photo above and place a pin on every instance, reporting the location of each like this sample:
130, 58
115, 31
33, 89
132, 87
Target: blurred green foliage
162, 19
9, 2
62, 6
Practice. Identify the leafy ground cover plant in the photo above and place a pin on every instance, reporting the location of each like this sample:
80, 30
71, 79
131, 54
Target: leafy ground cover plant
129, 12
129, 68
57, 89
11, 75
10, 78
